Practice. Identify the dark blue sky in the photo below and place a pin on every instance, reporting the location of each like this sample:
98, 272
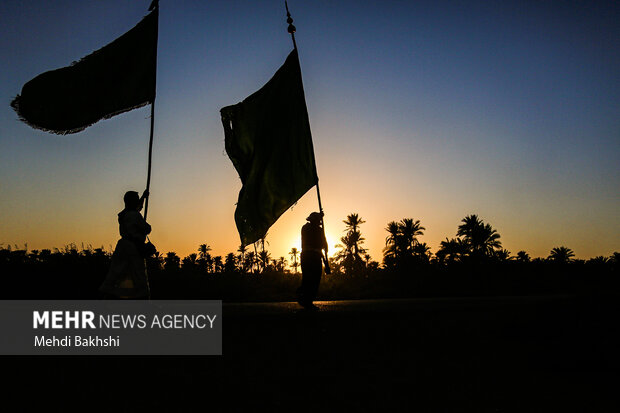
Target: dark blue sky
430, 109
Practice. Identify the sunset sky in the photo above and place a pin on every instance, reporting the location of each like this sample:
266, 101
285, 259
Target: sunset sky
431, 110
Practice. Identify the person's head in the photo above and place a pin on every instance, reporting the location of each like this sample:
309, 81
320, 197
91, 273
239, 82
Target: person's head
132, 200
315, 218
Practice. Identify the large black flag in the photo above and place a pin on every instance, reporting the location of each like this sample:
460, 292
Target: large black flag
114, 79
268, 140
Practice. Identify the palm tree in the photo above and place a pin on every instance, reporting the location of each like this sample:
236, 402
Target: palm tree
401, 242
523, 256
241, 257
481, 238
409, 230
351, 247
190, 260
230, 263
280, 264
204, 256
392, 243
209, 262
454, 249
352, 222
502, 255
250, 261
262, 243
264, 258
561, 255
294, 253
470, 224
489, 240
600, 260
367, 259
218, 264
171, 261
203, 249
392, 239
421, 252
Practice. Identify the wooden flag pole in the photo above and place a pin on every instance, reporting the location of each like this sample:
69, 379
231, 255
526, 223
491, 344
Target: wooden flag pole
292, 30
154, 5
148, 175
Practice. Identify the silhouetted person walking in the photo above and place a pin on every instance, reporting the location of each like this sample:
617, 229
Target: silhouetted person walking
313, 243
127, 275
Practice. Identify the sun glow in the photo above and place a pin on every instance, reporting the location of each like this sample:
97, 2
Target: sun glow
331, 244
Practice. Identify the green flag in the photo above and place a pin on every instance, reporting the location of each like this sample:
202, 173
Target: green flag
114, 79
268, 140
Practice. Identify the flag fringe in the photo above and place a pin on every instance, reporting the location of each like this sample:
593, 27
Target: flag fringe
15, 106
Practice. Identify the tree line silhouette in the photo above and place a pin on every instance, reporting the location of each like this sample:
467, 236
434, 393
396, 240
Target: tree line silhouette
472, 263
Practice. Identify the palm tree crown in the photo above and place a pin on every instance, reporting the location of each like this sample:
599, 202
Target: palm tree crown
481, 238
294, 253
352, 222
402, 243
351, 248
561, 255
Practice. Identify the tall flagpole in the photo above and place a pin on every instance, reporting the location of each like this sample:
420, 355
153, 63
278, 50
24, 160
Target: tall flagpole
148, 175
154, 5
291, 30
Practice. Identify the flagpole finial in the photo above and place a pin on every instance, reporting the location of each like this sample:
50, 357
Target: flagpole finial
289, 20
291, 28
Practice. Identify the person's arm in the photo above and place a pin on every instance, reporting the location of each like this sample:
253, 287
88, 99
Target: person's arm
324, 256
137, 227
145, 227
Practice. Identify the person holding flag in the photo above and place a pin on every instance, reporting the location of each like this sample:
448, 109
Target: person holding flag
313, 242
127, 275
268, 139
119, 77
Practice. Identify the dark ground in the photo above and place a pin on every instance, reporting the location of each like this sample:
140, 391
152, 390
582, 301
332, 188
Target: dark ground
517, 354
